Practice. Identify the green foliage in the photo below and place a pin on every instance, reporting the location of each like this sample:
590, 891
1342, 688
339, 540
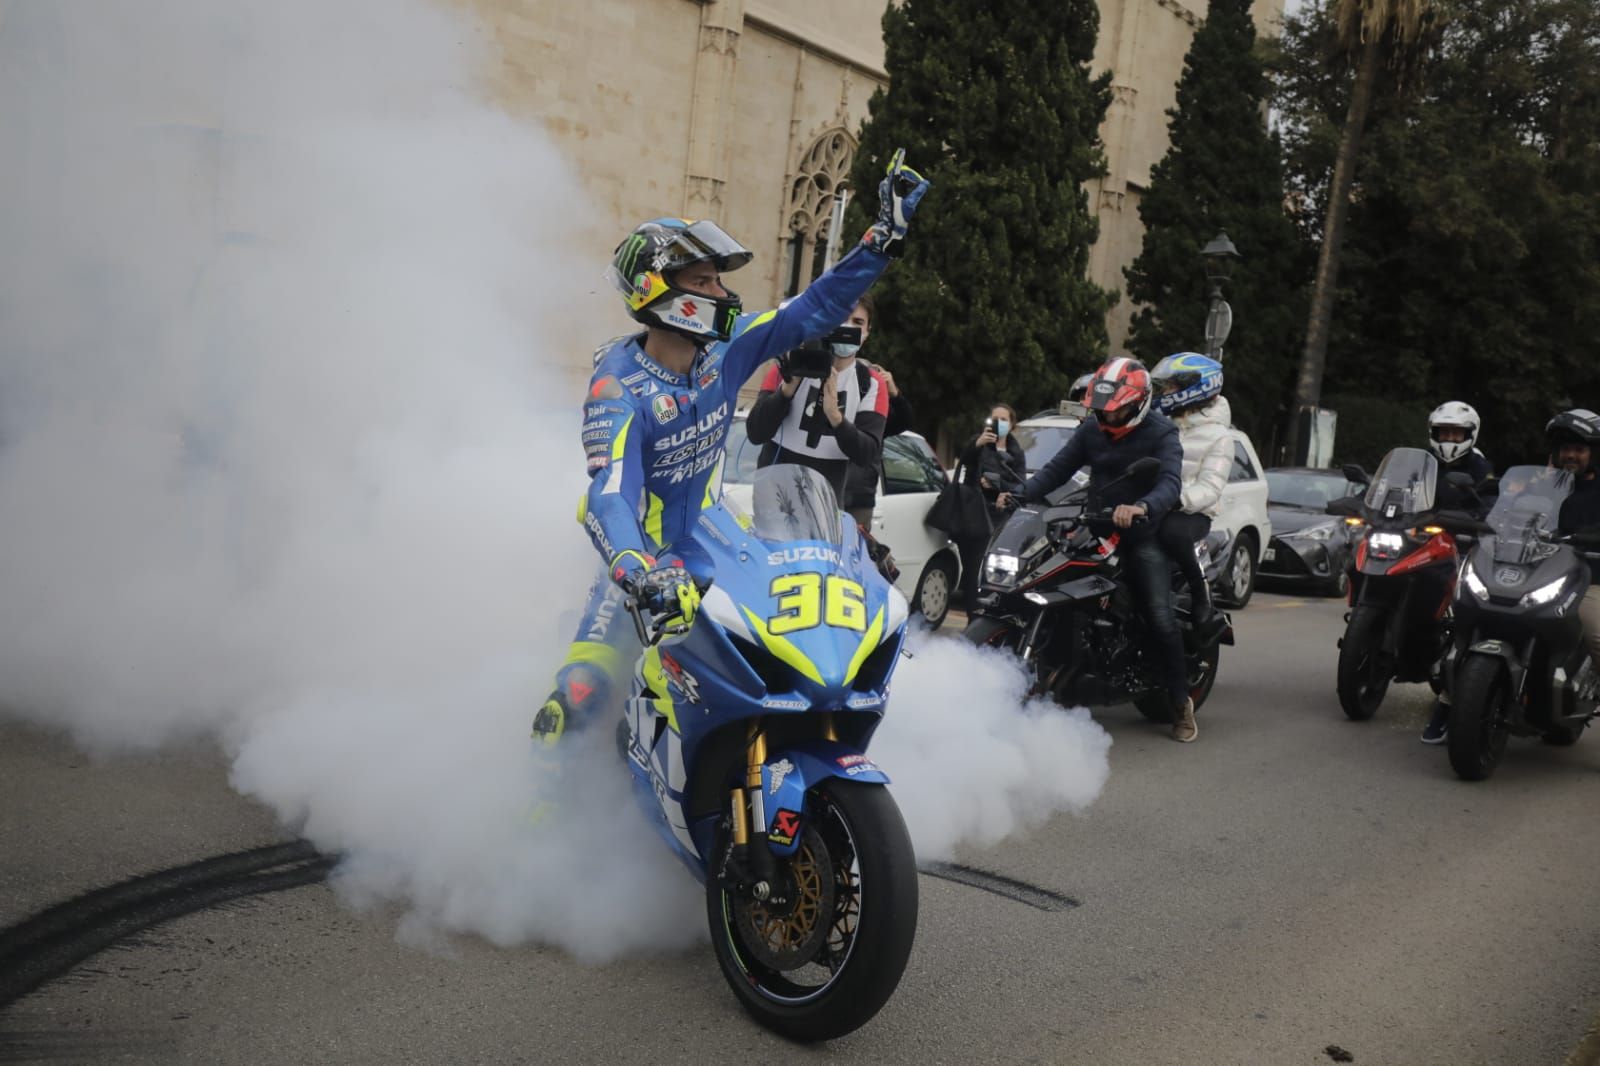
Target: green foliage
993, 101
1472, 260
1370, 425
1223, 171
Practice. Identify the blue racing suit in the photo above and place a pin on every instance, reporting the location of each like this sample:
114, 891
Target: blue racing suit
655, 441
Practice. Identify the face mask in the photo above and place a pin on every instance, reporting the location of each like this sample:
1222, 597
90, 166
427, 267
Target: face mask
1002, 427
844, 351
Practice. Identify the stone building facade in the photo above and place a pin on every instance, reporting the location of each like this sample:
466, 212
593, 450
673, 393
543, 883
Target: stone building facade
746, 111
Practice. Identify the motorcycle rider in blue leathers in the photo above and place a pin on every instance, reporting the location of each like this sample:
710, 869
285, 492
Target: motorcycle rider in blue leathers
656, 418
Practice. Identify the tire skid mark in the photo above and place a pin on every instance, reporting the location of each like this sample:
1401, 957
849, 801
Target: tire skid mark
58, 939
1000, 885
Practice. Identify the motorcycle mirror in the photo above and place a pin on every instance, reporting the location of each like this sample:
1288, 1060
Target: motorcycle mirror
1144, 469
1353, 472
1348, 505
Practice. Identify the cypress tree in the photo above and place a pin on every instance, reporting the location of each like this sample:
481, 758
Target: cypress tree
993, 101
1223, 171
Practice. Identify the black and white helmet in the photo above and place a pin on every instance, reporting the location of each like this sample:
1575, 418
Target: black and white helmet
1455, 415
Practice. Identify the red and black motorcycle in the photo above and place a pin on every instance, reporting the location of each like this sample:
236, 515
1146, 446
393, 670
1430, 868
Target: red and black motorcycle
1402, 584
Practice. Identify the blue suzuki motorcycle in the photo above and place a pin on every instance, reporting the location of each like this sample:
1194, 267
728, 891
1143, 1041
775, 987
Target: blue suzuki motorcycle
746, 734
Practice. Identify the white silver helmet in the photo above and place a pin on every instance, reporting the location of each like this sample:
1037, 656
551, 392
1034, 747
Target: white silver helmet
1456, 415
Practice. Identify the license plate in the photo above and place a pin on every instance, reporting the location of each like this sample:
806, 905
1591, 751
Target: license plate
1267, 555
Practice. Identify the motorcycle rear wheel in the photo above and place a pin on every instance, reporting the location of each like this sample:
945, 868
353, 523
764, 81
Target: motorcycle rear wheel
1363, 677
1157, 707
1478, 733
794, 981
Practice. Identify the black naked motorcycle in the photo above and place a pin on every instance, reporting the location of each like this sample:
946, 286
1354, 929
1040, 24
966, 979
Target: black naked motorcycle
1053, 592
1518, 665
1398, 627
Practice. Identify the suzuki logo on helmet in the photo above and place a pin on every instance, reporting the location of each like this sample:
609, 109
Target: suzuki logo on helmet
688, 308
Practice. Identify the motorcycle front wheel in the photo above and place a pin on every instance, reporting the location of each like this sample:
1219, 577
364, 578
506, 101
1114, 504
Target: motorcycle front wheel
1363, 668
826, 963
1478, 733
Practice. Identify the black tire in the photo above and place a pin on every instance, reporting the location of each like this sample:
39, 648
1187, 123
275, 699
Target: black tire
1242, 571
1363, 674
1478, 731
874, 884
1340, 585
934, 587
1157, 707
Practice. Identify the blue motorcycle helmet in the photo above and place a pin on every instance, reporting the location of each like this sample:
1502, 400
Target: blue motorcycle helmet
1184, 380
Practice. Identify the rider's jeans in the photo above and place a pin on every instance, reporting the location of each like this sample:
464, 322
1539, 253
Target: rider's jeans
1589, 615
1150, 570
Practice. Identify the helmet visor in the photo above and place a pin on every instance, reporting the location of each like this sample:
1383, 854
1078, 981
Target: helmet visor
703, 241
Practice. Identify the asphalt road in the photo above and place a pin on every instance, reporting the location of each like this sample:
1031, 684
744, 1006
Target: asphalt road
1291, 882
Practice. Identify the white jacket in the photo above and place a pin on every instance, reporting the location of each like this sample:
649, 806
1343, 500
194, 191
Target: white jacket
1207, 456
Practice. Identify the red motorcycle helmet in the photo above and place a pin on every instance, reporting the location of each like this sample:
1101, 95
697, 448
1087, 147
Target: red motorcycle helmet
1120, 396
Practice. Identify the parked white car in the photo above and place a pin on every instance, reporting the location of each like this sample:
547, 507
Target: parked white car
1239, 536
911, 480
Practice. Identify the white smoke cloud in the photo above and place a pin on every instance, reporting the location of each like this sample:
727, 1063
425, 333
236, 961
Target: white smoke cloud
287, 459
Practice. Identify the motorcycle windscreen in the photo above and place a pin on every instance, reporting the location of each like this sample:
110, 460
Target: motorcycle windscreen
1404, 483
789, 502
1529, 504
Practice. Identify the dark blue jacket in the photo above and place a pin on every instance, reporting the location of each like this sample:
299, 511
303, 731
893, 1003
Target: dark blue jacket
1108, 459
1580, 513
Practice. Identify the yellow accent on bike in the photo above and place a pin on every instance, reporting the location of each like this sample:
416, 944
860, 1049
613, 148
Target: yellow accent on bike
869, 644
847, 607
783, 650
799, 599
802, 605
655, 675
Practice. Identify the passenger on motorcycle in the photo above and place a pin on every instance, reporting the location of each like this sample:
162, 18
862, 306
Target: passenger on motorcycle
1123, 430
658, 410
1452, 436
1574, 438
1189, 391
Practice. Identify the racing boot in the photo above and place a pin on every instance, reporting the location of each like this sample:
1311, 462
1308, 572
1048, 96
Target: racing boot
1184, 727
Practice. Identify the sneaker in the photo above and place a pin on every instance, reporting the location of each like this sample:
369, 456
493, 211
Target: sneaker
1438, 727
1184, 727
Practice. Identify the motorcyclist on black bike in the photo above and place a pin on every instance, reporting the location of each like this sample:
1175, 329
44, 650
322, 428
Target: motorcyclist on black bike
1123, 430
1574, 438
1452, 437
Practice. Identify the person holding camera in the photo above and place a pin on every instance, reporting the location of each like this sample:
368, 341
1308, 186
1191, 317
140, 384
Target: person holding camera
996, 459
821, 408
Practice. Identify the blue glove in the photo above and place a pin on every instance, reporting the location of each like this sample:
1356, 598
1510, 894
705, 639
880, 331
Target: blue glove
899, 193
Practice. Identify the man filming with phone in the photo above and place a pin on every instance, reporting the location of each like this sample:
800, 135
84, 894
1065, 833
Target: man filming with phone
820, 408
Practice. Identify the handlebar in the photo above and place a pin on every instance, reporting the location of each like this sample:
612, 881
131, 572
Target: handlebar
644, 604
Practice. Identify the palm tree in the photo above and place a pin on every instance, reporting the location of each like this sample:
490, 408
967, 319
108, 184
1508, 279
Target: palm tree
1367, 33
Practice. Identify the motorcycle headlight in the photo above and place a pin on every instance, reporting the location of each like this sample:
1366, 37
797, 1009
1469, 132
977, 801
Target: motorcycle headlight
1544, 593
1474, 583
1000, 569
1384, 545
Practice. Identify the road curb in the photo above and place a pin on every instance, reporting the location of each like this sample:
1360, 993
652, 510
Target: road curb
1587, 1053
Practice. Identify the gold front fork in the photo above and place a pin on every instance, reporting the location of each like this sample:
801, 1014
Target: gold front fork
828, 731
738, 800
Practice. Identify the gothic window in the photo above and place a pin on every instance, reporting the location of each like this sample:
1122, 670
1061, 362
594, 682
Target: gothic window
823, 170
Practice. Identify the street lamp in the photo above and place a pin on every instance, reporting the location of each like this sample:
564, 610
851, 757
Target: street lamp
1219, 256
